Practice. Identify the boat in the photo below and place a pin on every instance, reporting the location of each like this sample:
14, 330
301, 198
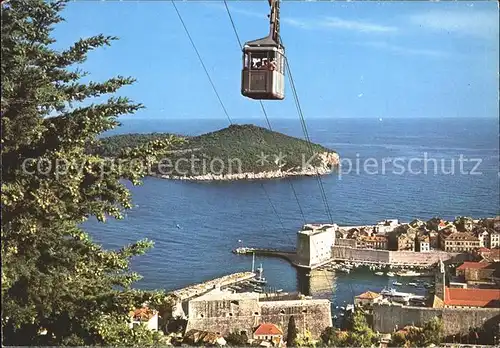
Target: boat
242, 250
390, 274
343, 308
413, 284
259, 279
408, 274
379, 273
394, 293
334, 317
396, 283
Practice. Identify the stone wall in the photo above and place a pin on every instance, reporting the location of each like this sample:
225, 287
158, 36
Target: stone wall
346, 242
313, 315
340, 252
387, 318
386, 256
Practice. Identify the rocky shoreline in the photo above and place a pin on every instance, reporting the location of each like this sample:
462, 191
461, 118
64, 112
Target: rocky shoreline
329, 162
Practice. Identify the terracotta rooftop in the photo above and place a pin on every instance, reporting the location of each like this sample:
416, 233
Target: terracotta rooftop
144, 313
268, 329
369, 295
462, 236
473, 265
472, 297
373, 238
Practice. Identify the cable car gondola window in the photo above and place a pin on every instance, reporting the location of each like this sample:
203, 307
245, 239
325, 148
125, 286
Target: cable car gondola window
259, 60
246, 60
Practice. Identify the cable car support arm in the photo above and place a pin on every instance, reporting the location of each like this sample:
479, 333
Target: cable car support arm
274, 20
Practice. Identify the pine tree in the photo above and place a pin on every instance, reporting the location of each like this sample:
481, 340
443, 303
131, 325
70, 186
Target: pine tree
292, 332
54, 277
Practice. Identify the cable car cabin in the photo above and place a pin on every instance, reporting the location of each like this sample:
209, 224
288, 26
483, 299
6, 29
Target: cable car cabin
263, 75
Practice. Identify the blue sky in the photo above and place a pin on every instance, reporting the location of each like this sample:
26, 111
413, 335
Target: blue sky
348, 59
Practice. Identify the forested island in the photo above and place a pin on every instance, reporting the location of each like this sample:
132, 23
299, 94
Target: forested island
232, 153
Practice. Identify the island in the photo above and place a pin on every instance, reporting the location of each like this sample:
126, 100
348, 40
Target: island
237, 152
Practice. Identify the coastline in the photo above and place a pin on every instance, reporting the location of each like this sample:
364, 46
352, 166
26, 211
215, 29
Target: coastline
329, 162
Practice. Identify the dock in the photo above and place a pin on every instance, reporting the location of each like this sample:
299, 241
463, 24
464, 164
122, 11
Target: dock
285, 254
202, 288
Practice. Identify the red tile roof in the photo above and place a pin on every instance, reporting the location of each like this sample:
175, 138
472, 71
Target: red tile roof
462, 236
472, 297
473, 265
144, 313
368, 295
268, 329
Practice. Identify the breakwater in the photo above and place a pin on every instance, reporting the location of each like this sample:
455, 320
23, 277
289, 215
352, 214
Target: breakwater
201, 288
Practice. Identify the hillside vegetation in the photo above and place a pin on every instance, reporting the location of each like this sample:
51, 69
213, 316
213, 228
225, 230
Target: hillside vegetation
237, 148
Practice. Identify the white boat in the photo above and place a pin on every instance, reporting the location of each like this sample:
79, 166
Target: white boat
390, 274
259, 279
242, 250
379, 273
408, 274
396, 283
343, 308
413, 284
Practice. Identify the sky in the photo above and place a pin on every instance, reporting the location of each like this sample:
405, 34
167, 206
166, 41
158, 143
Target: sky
348, 59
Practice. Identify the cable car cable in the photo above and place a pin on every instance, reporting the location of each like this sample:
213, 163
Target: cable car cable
308, 139
222, 104
201, 61
265, 113
306, 133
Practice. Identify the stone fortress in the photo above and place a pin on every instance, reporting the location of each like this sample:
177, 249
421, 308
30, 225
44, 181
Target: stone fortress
236, 312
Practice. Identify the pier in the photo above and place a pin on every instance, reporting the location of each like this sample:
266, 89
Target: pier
201, 288
289, 255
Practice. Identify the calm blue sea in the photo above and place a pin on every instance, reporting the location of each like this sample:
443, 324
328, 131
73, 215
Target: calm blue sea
214, 216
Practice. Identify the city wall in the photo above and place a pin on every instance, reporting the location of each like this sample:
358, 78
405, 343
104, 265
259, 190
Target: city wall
387, 318
231, 316
394, 257
371, 255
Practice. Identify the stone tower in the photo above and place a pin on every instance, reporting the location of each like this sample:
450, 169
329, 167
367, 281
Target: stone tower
440, 281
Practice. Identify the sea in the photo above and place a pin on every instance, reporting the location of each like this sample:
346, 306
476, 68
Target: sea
390, 168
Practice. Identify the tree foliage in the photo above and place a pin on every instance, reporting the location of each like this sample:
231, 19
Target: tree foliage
235, 339
360, 333
305, 340
430, 333
54, 277
292, 331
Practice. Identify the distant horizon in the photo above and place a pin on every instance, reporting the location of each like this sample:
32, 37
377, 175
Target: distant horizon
142, 117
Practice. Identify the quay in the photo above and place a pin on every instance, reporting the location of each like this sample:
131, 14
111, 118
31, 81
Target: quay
202, 288
285, 254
